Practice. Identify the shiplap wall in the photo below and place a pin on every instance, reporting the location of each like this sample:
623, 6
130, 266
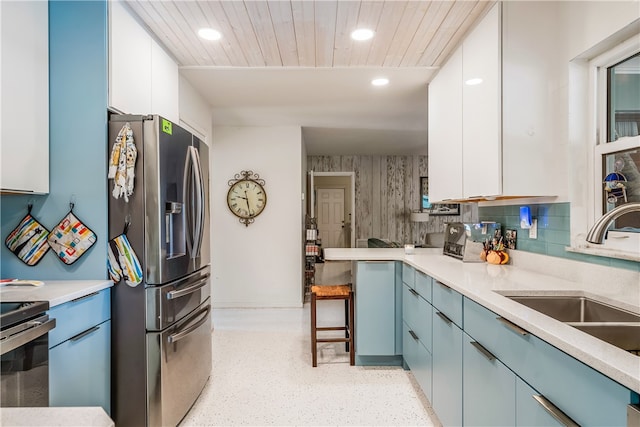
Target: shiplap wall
387, 190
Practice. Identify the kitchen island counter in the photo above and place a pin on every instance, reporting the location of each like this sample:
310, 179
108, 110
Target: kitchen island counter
531, 274
55, 291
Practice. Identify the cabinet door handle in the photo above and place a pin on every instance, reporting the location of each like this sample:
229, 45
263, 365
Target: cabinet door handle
413, 291
92, 294
444, 317
512, 326
413, 335
84, 334
554, 411
486, 353
447, 287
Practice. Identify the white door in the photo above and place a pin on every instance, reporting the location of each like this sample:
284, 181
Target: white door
330, 205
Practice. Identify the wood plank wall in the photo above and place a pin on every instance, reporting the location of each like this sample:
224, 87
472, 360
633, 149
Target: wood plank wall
387, 189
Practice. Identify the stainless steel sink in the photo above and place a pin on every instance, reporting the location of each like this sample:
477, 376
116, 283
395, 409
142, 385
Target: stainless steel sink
611, 324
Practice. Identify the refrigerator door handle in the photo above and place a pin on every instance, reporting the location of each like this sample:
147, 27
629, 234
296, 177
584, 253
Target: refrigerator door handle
193, 194
187, 331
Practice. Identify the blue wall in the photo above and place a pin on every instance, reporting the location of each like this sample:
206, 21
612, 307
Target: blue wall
78, 79
553, 232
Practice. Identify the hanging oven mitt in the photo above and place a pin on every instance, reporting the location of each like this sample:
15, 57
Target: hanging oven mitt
28, 241
122, 261
70, 239
122, 163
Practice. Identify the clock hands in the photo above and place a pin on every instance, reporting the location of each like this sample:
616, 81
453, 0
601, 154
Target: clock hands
246, 199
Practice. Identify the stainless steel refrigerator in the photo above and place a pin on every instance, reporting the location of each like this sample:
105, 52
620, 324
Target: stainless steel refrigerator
161, 328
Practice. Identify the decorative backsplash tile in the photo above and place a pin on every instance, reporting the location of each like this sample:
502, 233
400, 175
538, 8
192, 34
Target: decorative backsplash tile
553, 232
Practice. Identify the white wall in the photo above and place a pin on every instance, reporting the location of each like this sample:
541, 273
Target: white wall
258, 265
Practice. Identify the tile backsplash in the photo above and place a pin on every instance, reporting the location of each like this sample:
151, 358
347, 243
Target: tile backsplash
553, 232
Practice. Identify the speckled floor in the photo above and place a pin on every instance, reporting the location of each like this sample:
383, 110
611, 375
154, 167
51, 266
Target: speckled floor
262, 375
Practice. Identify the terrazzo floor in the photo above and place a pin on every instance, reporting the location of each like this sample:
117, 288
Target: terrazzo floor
262, 375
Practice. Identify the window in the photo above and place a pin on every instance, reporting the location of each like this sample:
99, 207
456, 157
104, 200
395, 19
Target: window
616, 155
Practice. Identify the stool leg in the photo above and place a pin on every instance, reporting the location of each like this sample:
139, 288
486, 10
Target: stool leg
346, 323
352, 342
314, 342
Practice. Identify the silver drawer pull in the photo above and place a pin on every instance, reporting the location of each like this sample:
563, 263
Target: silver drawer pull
92, 294
446, 287
444, 317
84, 334
413, 291
188, 290
486, 353
413, 335
512, 326
554, 411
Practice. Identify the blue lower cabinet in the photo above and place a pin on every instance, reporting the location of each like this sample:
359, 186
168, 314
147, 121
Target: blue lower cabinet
489, 388
376, 309
80, 369
418, 358
447, 370
529, 411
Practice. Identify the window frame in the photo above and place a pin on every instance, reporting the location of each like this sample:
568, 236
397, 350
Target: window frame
599, 121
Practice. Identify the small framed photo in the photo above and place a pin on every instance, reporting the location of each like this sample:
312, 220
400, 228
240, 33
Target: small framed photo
510, 239
435, 208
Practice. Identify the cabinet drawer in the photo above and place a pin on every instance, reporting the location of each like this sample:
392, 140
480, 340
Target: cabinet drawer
78, 315
419, 360
424, 284
448, 302
408, 275
80, 370
417, 314
585, 395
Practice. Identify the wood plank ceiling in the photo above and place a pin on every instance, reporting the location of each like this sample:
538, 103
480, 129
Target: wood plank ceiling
310, 33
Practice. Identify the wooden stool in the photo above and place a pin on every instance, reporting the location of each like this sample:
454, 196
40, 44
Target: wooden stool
343, 292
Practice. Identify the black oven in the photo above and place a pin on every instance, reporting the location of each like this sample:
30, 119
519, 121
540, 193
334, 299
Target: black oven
24, 353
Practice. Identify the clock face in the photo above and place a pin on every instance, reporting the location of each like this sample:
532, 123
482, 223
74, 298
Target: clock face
246, 199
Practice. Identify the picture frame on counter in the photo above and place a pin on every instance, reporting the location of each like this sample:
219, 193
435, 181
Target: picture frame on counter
435, 208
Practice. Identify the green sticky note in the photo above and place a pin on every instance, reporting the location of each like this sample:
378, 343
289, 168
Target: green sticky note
167, 126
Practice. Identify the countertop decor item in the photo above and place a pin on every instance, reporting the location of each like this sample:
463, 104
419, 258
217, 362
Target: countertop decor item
246, 197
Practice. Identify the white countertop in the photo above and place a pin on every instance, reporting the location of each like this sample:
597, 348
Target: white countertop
484, 282
31, 417
55, 291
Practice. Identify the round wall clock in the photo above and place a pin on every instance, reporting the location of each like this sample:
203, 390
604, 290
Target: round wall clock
246, 197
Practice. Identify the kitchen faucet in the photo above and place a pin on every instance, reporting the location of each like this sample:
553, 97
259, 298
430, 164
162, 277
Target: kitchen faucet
599, 229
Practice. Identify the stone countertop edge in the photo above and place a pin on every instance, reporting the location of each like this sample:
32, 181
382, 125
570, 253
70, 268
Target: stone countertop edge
52, 416
55, 291
485, 284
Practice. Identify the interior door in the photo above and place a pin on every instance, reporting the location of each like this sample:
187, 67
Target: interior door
331, 217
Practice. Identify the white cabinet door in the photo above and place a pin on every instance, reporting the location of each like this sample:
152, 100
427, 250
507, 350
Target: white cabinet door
481, 108
164, 84
129, 63
445, 131
24, 120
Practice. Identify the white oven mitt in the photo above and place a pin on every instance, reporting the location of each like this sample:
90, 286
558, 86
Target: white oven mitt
122, 163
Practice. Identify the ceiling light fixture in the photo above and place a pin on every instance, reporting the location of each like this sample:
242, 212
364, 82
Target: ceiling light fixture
473, 82
209, 34
362, 34
380, 81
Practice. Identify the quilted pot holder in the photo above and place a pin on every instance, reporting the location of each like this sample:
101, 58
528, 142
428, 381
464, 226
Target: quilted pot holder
28, 241
70, 239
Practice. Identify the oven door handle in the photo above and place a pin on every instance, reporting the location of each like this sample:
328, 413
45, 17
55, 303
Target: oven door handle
185, 332
40, 328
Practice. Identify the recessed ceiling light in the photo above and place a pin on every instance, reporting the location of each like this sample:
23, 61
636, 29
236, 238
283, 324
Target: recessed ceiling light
209, 34
380, 81
473, 82
362, 34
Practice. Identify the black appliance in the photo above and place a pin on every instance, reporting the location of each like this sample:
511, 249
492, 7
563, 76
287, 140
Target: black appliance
24, 350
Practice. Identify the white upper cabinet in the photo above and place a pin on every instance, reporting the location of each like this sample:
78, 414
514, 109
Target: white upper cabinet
143, 79
506, 76
481, 139
445, 131
24, 118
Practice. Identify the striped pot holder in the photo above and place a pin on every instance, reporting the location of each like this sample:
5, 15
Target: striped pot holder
28, 241
122, 262
70, 239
